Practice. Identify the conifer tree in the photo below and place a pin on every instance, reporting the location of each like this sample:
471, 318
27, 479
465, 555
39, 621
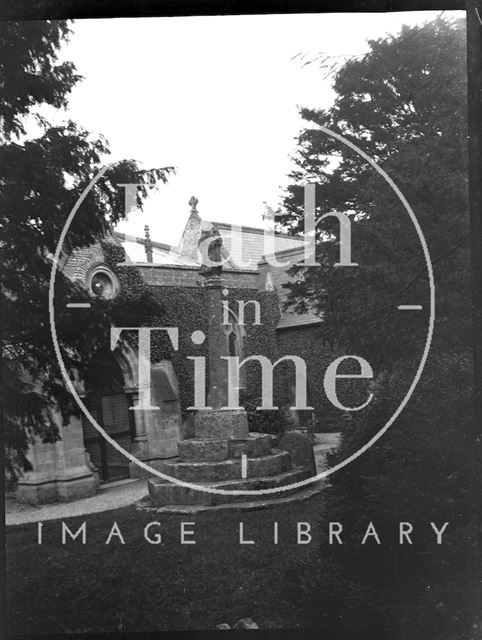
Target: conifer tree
404, 104
45, 168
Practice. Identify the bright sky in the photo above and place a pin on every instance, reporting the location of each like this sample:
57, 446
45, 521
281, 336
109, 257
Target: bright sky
217, 97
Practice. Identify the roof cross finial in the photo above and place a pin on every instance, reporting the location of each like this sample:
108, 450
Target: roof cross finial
193, 204
148, 243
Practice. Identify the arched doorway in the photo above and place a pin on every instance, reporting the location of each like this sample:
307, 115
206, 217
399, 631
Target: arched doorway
109, 404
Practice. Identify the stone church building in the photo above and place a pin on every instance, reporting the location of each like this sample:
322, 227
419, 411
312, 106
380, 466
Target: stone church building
258, 323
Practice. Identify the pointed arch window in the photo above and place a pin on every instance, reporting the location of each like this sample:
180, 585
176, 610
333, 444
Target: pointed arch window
235, 334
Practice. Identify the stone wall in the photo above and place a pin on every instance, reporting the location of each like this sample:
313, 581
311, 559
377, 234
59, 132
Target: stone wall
184, 276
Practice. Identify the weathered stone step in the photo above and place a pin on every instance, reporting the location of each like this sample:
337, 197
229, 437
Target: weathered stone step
165, 493
271, 482
198, 449
212, 471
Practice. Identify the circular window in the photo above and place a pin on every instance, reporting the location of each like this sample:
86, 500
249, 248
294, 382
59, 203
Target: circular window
103, 284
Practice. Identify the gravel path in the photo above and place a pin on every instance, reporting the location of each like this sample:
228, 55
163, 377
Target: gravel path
112, 497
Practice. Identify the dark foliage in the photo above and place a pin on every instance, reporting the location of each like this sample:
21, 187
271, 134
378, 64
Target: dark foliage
404, 104
43, 175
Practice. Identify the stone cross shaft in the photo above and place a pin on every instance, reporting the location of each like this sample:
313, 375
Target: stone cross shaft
217, 345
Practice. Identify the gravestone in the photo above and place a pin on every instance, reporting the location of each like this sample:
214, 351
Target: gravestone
301, 420
300, 447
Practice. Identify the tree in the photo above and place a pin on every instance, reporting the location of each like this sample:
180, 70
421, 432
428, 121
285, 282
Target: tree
403, 103
43, 175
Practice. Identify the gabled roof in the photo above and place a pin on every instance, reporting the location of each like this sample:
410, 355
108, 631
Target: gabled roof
252, 244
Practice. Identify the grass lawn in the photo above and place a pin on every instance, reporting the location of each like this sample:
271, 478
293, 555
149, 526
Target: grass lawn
54, 588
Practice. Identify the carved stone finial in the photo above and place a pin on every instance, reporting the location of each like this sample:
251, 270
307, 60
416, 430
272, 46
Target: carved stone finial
148, 243
193, 204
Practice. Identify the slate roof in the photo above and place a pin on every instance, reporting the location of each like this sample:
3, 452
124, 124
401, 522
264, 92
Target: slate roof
161, 253
252, 244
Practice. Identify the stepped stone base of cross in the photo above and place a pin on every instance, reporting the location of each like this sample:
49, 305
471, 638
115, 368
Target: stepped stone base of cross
217, 465
212, 459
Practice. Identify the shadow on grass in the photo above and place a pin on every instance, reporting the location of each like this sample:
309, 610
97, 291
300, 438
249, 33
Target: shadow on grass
137, 586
